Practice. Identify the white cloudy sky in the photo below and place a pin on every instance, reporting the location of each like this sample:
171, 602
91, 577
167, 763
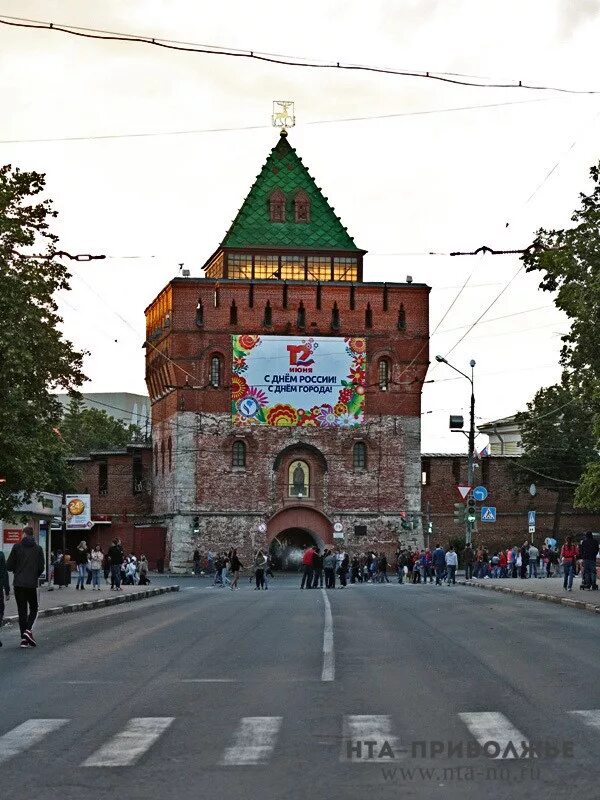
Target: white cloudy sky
402, 184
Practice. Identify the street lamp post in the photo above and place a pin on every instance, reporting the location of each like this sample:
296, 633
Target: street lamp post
470, 463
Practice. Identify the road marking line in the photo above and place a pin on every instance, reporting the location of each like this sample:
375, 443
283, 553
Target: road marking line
328, 673
27, 735
589, 718
254, 741
208, 680
492, 726
126, 747
367, 738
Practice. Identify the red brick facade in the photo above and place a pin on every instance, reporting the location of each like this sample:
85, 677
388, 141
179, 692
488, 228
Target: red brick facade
442, 473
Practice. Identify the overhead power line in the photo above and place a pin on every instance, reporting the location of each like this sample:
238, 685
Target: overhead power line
272, 58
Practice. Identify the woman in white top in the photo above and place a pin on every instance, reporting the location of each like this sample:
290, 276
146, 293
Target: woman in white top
96, 561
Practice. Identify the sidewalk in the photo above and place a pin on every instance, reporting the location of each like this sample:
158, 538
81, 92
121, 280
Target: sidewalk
549, 590
69, 599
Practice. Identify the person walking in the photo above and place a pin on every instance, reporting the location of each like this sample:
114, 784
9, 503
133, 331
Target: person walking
534, 557
144, 569
568, 556
317, 568
4, 588
383, 565
116, 556
307, 560
27, 562
260, 564
588, 551
96, 559
468, 558
524, 560
451, 565
82, 556
438, 562
343, 570
196, 560
235, 565
329, 568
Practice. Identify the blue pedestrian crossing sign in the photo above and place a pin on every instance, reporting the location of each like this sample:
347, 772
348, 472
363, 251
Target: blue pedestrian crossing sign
531, 518
480, 493
488, 513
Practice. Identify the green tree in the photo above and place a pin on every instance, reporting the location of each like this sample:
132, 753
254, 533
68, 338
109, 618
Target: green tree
35, 359
569, 260
558, 442
86, 429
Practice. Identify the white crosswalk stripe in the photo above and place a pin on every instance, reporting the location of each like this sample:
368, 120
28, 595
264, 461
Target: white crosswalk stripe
126, 747
27, 735
253, 742
492, 726
589, 718
360, 731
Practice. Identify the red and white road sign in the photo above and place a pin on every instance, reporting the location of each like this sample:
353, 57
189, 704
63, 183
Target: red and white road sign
464, 491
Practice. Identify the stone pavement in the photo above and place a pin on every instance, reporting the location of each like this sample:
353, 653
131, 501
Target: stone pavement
549, 590
69, 599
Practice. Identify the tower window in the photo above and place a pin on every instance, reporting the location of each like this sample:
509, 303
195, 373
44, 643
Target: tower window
352, 298
251, 296
456, 470
233, 315
302, 206
319, 297
266, 267
383, 374
102, 477
170, 452
298, 479
335, 318
215, 372
318, 268
368, 316
385, 298
216, 297
301, 318
156, 459
162, 458
292, 268
285, 295
199, 314
268, 317
238, 454
359, 456
401, 318
277, 206
137, 475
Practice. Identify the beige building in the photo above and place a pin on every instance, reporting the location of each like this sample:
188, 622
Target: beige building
505, 436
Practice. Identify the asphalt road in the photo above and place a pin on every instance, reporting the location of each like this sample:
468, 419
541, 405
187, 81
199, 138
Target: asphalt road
251, 695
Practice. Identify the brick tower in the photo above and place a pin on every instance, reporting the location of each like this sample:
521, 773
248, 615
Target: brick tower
286, 391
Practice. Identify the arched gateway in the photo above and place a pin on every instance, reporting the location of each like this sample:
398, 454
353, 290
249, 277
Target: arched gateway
291, 529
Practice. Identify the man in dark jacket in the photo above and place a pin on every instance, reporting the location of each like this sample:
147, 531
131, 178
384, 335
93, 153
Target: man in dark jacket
588, 550
116, 556
26, 561
4, 586
468, 558
438, 562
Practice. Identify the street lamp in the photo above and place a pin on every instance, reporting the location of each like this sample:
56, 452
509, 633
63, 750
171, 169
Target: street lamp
470, 463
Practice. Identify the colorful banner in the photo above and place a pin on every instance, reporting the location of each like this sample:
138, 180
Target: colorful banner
305, 381
79, 512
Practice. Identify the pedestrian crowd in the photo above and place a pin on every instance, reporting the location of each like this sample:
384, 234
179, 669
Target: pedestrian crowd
94, 566
427, 566
529, 561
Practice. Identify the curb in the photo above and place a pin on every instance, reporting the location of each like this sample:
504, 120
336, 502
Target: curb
115, 600
548, 598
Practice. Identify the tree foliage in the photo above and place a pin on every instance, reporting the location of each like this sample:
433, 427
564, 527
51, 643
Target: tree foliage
569, 260
34, 356
86, 429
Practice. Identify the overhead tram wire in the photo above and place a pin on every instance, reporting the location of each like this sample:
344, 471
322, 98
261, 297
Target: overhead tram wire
511, 280
336, 120
169, 44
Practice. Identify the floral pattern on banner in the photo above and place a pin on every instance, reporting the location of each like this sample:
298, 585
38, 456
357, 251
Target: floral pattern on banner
250, 404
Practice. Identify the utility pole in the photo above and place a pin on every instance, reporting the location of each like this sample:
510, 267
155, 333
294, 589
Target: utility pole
469, 518
63, 509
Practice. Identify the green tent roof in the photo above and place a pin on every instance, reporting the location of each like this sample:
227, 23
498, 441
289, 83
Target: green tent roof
252, 226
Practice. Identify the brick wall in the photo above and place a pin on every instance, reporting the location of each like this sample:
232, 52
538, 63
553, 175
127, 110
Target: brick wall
440, 494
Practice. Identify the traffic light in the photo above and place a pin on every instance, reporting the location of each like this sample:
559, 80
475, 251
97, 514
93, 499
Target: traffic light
460, 513
430, 528
405, 522
471, 509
